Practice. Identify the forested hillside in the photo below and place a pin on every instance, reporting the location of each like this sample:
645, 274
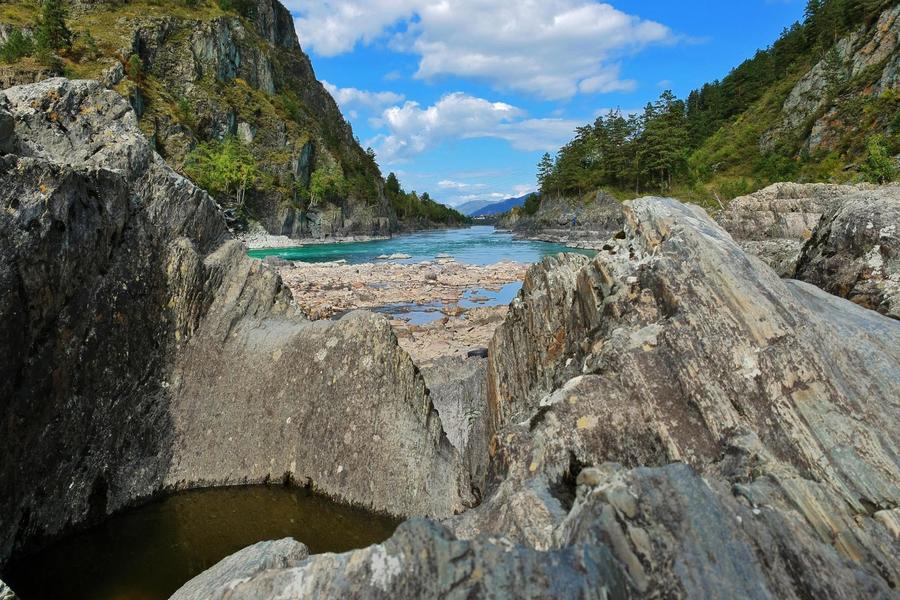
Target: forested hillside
225, 94
418, 211
820, 104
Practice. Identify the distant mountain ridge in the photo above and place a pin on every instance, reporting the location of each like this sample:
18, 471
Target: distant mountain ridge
472, 206
496, 208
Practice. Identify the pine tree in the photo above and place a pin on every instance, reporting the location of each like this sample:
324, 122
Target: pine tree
392, 186
545, 172
52, 32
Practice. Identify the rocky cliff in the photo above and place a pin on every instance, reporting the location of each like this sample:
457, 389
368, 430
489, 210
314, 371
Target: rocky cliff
671, 419
141, 350
198, 74
586, 221
823, 110
844, 239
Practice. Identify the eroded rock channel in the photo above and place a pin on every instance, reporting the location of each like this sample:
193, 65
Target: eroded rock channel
667, 419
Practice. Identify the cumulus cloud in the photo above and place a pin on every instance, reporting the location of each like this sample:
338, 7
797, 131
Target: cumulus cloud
351, 99
552, 49
412, 129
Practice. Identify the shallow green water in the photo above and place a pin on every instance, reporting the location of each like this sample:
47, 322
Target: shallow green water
149, 552
481, 245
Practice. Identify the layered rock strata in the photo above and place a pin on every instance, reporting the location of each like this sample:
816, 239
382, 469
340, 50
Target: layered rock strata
701, 428
141, 350
843, 239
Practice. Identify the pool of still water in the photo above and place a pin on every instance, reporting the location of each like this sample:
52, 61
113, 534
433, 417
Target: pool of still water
149, 552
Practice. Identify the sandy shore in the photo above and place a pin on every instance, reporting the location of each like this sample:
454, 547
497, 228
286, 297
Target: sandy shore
452, 295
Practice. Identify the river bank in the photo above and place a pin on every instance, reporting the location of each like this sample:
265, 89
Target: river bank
437, 308
260, 239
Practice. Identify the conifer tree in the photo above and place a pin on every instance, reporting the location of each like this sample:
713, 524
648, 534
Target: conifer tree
52, 32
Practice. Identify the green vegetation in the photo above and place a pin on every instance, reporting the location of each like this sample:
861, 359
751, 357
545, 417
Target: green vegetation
17, 46
719, 142
245, 8
134, 68
52, 31
879, 166
411, 207
532, 202
326, 183
225, 169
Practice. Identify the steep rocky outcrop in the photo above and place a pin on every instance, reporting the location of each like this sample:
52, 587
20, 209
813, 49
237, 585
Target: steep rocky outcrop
753, 423
823, 105
854, 251
572, 221
206, 74
840, 238
532, 338
142, 350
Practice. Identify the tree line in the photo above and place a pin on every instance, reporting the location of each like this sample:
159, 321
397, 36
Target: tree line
410, 206
651, 150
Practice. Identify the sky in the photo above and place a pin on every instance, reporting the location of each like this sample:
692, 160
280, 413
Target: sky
460, 98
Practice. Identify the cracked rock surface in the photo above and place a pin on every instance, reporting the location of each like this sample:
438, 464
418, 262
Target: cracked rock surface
671, 419
141, 350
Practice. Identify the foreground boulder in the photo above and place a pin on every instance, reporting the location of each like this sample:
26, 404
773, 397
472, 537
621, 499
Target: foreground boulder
843, 239
244, 564
141, 350
424, 560
701, 428
854, 251
6, 593
774, 222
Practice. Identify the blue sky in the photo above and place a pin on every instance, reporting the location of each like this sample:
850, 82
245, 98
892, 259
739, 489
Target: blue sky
461, 97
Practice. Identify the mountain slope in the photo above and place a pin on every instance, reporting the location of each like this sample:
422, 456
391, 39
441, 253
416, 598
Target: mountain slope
820, 104
468, 208
198, 75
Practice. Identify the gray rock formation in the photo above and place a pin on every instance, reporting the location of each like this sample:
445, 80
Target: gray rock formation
691, 351
855, 251
141, 350
774, 222
6, 593
424, 560
840, 238
458, 390
532, 338
244, 564
572, 221
753, 423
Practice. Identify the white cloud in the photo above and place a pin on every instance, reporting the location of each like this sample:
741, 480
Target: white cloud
447, 184
351, 99
412, 129
553, 49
